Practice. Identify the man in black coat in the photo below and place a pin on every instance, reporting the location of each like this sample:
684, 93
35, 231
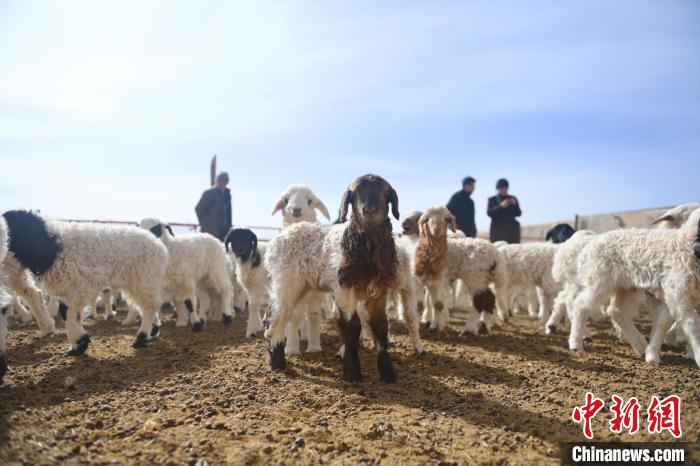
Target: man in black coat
503, 208
214, 208
462, 207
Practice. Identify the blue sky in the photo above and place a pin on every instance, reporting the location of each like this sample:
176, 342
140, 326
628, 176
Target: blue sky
113, 109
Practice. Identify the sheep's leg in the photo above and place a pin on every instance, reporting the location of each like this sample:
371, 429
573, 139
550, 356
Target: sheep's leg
293, 345
132, 315
578, 314
255, 323
52, 307
662, 323
485, 303
532, 303
195, 312
23, 285
225, 290
441, 315
558, 312
78, 338
622, 312
313, 318
183, 311
412, 320
378, 322
428, 314
671, 338
3, 338
20, 311
149, 308
110, 306
349, 327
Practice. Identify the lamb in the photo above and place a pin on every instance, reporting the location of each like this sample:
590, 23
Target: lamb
662, 262
298, 203
75, 260
474, 261
357, 261
529, 265
250, 272
197, 261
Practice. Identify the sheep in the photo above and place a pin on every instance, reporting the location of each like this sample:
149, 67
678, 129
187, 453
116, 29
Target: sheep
250, 272
75, 260
357, 261
663, 262
474, 261
298, 203
529, 265
197, 262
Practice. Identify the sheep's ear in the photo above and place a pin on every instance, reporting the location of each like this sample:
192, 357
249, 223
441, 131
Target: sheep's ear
344, 203
170, 230
393, 199
664, 218
321, 207
452, 222
227, 239
254, 243
157, 230
423, 226
279, 206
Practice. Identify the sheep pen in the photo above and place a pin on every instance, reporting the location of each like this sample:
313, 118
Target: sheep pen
500, 398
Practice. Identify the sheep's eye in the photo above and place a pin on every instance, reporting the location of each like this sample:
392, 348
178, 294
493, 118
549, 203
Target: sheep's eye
286, 201
309, 201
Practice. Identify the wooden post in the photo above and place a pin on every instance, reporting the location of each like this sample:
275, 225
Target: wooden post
212, 171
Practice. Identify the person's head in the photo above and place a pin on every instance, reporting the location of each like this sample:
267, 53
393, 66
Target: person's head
502, 186
469, 184
222, 180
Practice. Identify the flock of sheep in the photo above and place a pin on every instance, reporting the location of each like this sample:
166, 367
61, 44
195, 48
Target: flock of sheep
356, 272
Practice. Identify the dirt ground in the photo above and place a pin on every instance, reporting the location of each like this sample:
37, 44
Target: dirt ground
505, 398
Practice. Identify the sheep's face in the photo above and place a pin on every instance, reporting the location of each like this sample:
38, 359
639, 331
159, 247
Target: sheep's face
435, 222
370, 196
677, 216
299, 204
155, 226
410, 224
242, 242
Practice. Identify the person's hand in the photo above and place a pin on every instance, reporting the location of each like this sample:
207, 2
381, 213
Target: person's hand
513, 200
505, 203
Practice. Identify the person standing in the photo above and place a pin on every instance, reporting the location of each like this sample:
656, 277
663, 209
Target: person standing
462, 207
214, 208
503, 208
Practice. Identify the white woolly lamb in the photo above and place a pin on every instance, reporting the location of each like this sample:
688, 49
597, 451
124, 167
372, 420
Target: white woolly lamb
197, 261
663, 262
528, 265
4, 299
75, 260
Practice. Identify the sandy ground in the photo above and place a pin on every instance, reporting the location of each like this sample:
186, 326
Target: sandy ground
504, 398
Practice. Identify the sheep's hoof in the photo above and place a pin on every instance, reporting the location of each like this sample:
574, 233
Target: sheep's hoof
551, 329
587, 339
198, 326
155, 331
80, 346
386, 367
3, 367
351, 366
227, 319
313, 349
483, 329
141, 340
237, 310
277, 361
251, 335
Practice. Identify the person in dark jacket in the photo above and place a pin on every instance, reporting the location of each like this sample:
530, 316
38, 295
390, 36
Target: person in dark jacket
214, 208
503, 208
462, 207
